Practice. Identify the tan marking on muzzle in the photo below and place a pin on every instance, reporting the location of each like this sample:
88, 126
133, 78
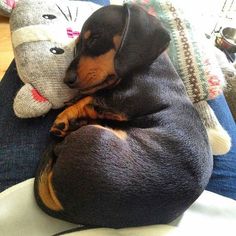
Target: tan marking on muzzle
94, 70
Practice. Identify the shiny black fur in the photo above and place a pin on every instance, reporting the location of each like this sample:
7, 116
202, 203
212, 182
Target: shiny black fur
161, 167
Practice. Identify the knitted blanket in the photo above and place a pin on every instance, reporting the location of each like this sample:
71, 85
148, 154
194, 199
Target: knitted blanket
190, 52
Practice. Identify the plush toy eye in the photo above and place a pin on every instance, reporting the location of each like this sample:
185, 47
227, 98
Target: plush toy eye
56, 50
49, 17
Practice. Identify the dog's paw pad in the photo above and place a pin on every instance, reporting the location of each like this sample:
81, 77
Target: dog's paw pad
57, 133
60, 126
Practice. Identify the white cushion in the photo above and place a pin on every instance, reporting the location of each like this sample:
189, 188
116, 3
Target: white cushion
211, 214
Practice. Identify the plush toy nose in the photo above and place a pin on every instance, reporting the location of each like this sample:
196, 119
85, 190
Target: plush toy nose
70, 79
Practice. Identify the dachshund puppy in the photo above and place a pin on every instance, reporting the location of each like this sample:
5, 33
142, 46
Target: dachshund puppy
135, 151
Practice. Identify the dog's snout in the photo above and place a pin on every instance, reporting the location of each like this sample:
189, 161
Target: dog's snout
70, 79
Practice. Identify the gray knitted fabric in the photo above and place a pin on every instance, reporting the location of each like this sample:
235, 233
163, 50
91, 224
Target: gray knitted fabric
43, 36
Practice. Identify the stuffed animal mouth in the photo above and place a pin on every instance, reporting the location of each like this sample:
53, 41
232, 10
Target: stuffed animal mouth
37, 96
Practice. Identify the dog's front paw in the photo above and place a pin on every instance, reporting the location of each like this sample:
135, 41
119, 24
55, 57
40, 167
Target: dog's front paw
60, 127
65, 123
63, 127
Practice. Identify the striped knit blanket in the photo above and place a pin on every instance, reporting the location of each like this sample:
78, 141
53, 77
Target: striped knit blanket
190, 52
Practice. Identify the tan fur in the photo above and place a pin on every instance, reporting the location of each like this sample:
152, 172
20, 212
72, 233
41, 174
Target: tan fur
84, 108
46, 191
87, 34
118, 133
94, 70
117, 41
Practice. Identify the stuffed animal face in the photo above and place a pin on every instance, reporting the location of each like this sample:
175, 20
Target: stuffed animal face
43, 37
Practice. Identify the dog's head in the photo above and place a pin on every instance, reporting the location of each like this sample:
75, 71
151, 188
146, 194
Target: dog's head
114, 41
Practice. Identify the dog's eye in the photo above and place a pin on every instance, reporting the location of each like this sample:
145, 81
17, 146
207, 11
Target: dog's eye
56, 50
49, 17
75, 51
92, 40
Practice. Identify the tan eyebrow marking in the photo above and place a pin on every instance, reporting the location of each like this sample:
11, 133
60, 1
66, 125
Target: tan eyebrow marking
87, 34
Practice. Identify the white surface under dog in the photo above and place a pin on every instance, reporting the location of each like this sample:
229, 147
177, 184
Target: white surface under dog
211, 214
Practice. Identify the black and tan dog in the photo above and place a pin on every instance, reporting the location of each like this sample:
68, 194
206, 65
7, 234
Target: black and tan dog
141, 154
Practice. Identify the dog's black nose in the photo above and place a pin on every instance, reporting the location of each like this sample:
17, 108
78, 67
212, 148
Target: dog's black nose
70, 79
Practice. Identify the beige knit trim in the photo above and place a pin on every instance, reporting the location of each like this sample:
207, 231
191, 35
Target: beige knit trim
35, 33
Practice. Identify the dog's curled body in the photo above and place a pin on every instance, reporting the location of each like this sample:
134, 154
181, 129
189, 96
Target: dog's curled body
146, 170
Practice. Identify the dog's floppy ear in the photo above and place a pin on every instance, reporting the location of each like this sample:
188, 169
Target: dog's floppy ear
144, 38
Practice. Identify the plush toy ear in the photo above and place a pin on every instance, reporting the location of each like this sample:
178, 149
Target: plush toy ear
143, 39
6, 7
